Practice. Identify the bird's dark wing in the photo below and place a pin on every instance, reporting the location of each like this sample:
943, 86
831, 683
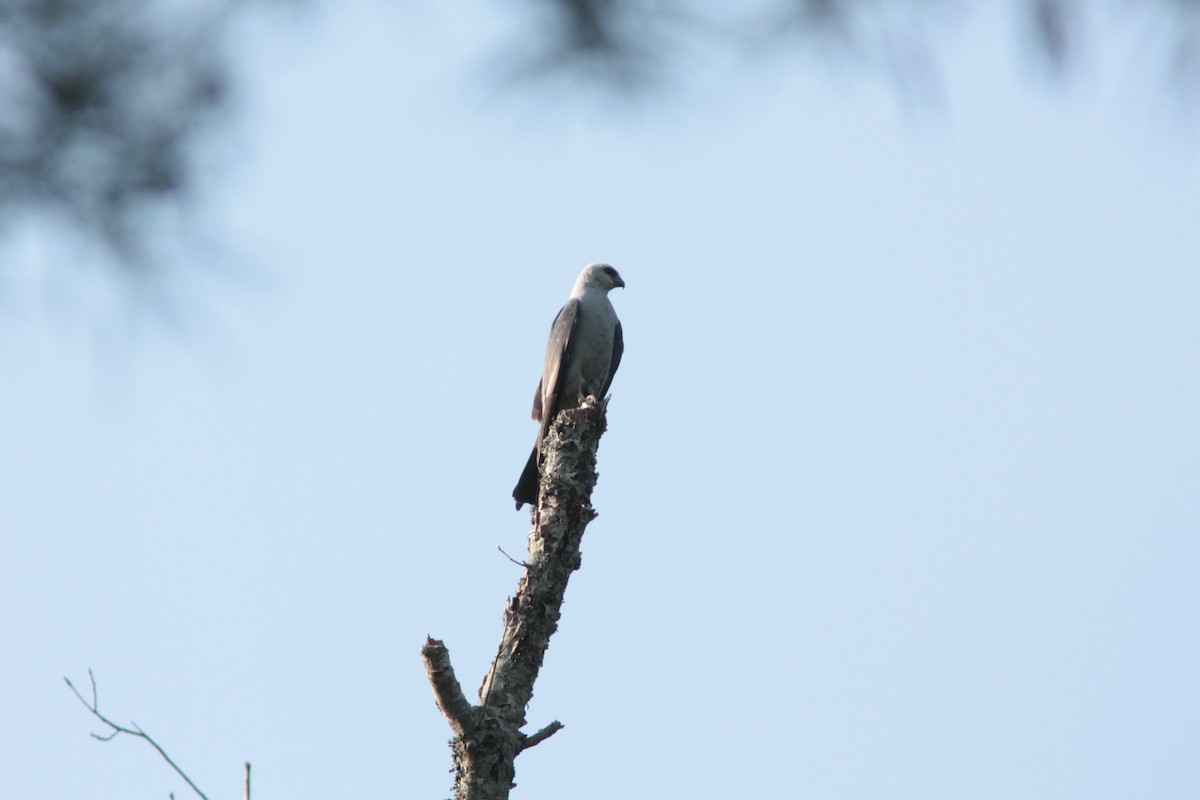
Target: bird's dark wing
618, 349
537, 403
546, 401
558, 357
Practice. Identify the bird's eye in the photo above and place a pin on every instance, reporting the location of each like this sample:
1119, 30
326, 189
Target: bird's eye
612, 273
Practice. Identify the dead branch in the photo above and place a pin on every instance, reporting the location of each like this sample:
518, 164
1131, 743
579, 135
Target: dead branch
134, 730
488, 736
542, 735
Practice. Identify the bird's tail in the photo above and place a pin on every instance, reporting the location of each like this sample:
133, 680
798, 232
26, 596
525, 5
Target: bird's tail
526, 490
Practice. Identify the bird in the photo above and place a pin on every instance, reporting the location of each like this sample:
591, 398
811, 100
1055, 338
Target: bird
582, 355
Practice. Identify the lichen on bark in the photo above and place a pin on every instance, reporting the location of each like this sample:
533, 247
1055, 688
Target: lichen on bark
488, 736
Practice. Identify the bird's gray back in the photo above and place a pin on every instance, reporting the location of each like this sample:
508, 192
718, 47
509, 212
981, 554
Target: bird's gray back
590, 359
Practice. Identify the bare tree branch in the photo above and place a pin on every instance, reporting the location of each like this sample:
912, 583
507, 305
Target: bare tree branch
542, 735
446, 688
134, 730
488, 736
510, 558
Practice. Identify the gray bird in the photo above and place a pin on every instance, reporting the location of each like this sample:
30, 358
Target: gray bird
581, 358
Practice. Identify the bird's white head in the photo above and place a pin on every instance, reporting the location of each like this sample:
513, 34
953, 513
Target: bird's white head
597, 276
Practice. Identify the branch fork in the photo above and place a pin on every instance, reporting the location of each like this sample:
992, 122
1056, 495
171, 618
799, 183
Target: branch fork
487, 736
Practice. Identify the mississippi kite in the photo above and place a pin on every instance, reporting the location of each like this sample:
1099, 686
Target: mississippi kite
581, 358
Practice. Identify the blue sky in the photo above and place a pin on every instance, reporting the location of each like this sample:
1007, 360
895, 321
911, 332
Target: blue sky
898, 498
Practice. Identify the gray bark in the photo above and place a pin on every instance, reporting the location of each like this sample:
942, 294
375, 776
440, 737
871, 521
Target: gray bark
488, 736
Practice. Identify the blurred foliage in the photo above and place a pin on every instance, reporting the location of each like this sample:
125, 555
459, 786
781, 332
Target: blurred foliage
103, 102
624, 42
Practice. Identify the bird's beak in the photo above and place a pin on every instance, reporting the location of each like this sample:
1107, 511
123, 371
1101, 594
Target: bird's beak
619, 282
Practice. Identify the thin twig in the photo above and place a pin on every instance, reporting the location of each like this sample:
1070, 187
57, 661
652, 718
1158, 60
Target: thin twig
94, 707
510, 558
247, 781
